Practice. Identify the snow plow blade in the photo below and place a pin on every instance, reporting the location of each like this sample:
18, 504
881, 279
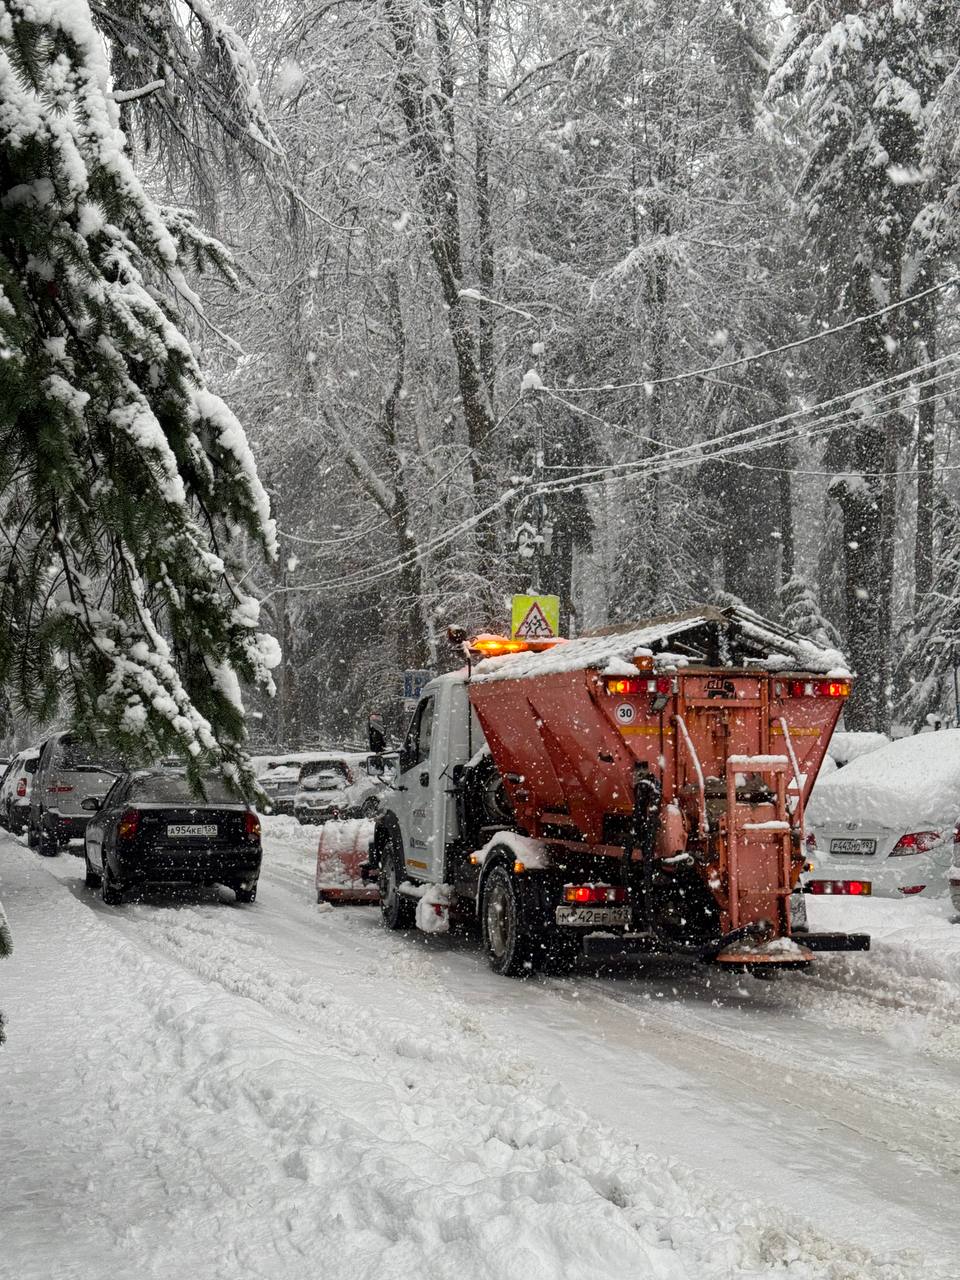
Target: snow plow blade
834, 941
342, 854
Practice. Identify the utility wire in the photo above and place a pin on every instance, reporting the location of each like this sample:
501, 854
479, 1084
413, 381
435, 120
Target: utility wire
654, 465
761, 355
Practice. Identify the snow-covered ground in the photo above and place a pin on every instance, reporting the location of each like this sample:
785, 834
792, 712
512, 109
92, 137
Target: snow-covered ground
285, 1090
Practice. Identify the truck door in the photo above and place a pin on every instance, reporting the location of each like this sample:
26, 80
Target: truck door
415, 779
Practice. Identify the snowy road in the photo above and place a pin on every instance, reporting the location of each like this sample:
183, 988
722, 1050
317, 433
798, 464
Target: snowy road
287, 1091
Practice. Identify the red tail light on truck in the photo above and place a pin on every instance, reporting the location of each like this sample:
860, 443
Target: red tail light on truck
251, 826
591, 894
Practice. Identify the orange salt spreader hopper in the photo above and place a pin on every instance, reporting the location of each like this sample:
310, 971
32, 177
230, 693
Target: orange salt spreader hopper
690, 761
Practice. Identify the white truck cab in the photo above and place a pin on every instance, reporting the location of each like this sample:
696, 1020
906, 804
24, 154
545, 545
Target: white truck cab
422, 812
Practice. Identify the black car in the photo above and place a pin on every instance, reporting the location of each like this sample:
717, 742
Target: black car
150, 829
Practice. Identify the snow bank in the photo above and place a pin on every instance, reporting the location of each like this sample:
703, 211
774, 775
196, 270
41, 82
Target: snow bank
905, 785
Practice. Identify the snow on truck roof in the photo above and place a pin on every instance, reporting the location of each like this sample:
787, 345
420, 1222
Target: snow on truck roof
707, 636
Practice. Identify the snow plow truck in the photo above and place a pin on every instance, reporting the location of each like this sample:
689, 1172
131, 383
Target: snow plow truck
623, 793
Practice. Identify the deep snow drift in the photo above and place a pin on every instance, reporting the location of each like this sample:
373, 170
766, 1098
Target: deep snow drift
287, 1091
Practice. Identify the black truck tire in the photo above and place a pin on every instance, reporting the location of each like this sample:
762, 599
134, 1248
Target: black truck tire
396, 909
506, 935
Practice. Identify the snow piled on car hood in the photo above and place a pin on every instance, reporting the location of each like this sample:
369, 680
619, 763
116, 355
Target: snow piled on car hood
908, 785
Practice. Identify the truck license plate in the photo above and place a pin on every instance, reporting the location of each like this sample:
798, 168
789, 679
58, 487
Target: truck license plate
853, 846
189, 829
599, 917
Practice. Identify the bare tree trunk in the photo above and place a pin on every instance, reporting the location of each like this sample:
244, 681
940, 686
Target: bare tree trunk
412, 639
485, 243
786, 524
926, 460
428, 117
886, 552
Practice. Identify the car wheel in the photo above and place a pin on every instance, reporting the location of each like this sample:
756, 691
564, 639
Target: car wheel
31, 835
370, 807
91, 878
246, 895
505, 939
47, 845
110, 891
397, 910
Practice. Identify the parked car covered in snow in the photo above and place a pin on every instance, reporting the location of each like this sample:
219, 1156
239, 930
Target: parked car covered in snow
15, 788
278, 780
69, 771
151, 829
340, 785
884, 824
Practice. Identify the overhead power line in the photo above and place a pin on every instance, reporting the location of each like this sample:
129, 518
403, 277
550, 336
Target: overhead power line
759, 355
674, 459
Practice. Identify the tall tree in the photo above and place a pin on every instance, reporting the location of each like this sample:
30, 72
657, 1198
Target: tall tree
130, 496
865, 76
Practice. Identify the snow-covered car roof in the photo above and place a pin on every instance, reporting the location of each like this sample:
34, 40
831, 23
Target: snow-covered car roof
731, 637
909, 785
847, 745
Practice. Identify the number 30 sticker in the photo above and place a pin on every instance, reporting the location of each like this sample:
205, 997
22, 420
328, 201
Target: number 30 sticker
626, 713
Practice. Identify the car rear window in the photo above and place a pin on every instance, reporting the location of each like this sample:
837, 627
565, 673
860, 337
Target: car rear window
73, 755
327, 772
169, 789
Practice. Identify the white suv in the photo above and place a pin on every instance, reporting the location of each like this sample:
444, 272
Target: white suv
340, 785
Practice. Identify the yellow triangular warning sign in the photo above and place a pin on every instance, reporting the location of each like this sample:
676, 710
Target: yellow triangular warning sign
536, 617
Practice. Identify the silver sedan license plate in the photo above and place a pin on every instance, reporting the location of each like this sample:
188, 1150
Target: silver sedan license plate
853, 846
599, 917
190, 829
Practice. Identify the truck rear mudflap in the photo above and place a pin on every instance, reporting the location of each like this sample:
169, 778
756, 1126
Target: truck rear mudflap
834, 941
624, 946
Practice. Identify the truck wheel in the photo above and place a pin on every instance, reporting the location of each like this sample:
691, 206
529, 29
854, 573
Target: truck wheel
506, 942
397, 910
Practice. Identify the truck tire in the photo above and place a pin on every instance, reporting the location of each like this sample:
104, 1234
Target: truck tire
397, 911
506, 938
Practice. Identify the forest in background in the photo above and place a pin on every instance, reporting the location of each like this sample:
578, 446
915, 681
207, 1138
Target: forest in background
668, 287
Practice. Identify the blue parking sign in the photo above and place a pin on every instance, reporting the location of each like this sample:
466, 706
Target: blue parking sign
413, 682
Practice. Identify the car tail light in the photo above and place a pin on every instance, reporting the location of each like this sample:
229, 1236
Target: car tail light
251, 826
915, 842
909, 889
593, 893
128, 825
59, 789
853, 888
22, 787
